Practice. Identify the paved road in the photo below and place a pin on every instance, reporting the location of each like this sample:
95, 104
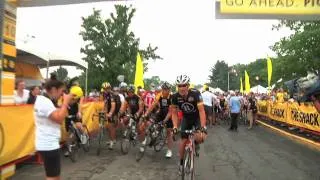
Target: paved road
247, 155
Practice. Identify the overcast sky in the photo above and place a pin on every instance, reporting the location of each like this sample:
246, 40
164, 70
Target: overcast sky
189, 38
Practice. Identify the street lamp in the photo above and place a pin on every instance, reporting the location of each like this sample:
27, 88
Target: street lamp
257, 78
233, 71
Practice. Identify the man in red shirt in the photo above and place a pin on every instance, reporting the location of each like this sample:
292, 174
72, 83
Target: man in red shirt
148, 98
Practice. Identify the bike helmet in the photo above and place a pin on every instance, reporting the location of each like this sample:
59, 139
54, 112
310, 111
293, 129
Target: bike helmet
182, 79
123, 85
165, 85
131, 88
106, 85
76, 91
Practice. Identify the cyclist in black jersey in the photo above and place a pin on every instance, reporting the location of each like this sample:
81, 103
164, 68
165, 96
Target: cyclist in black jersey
163, 100
134, 105
189, 101
112, 107
74, 112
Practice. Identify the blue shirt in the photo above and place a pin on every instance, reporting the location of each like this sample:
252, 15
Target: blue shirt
235, 104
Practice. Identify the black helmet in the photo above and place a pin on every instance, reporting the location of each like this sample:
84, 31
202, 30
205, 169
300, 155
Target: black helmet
131, 88
165, 85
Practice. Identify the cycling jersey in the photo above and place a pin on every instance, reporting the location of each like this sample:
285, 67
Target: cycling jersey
110, 98
148, 98
222, 103
164, 103
73, 110
188, 105
133, 103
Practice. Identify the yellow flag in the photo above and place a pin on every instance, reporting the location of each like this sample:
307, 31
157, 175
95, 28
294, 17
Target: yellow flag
138, 79
241, 85
247, 82
269, 62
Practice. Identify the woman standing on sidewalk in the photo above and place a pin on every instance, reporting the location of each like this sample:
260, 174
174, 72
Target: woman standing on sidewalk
252, 113
48, 119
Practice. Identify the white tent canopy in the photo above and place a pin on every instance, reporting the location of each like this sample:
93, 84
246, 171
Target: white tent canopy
214, 90
42, 57
259, 89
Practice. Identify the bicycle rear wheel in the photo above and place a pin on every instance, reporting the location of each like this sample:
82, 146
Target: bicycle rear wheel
100, 139
188, 166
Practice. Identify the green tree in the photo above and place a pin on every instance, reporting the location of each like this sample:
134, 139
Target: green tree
219, 75
155, 80
300, 52
111, 47
62, 74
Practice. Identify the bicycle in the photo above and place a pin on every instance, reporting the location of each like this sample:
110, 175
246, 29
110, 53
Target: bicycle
102, 119
156, 137
129, 135
188, 169
76, 141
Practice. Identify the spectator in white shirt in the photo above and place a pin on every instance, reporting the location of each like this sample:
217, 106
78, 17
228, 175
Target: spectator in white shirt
208, 101
21, 95
48, 119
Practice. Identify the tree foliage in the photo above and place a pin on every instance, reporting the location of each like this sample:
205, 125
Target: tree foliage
62, 74
219, 75
111, 47
300, 52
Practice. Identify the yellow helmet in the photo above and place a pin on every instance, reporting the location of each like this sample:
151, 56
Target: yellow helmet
106, 85
76, 91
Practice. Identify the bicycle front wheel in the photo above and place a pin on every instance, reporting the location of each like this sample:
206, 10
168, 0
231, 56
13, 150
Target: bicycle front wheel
86, 145
73, 146
188, 166
160, 141
100, 139
125, 142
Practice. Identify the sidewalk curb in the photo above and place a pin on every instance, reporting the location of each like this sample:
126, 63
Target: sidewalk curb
316, 144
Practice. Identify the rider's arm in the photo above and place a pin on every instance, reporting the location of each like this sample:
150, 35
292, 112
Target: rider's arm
113, 107
168, 115
202, 114
123, 107
174, 115
154, 105
140, 107
80, 104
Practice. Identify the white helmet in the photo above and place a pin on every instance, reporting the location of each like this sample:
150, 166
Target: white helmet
123, 85
182, 79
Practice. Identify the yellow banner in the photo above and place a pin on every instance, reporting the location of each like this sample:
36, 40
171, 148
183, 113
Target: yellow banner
17, 134
17, 131
278, 111
263, 108
289, 7
305, 116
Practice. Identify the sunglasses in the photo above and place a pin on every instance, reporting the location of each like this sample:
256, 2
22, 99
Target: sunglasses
182, 85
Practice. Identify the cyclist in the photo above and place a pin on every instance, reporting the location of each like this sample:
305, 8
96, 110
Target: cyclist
189, 101
123, 91
112, 107
74, 113
134, 104
164, 101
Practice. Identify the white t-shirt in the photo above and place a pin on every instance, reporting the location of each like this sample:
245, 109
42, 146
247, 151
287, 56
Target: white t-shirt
207, 98
23, 99
47, 131
122, 99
